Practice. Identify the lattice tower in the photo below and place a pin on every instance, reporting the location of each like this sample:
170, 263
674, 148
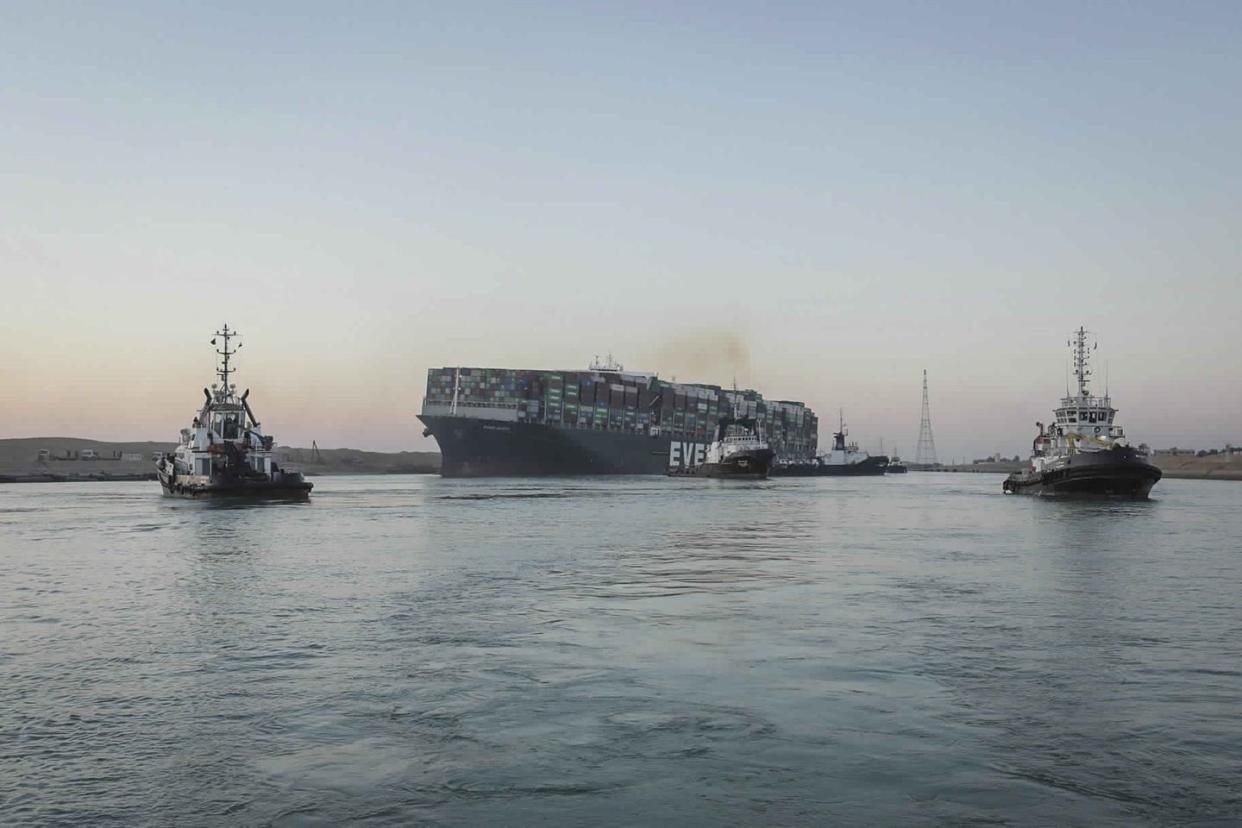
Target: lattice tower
926, 452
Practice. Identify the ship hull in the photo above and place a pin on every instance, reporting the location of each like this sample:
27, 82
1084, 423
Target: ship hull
871, 466
493, 448
1115, 473
289, 486
743, 465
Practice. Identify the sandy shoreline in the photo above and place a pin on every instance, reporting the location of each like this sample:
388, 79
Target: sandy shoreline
19, 462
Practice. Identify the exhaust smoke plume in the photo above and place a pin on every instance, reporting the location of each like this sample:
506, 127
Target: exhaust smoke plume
714, 357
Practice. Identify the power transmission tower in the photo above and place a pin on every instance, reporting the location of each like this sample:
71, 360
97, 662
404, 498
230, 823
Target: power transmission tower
926, 453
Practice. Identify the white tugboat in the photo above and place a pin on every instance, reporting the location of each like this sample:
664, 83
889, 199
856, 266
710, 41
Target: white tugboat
1084, 452
739, 452
225, 453
843, 459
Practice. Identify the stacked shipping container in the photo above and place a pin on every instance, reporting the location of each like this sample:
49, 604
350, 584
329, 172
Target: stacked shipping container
635, 403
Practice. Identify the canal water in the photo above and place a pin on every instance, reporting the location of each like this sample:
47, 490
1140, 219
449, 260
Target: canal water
916, 650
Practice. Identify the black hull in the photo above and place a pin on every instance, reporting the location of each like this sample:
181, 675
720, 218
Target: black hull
289, 486
744, 465
872, 466
492, 448
1115, 473
895, 468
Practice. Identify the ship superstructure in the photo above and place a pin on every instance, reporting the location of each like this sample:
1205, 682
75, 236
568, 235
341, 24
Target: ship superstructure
224, 451
604, 420
1084, 451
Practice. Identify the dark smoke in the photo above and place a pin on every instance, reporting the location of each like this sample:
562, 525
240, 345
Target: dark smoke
714, 357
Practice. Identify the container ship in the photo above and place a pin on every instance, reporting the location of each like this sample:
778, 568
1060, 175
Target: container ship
604, 420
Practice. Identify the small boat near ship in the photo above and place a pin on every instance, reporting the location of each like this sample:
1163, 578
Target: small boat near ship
844, 459
1084, 452
895, 466
224, 452
739, 452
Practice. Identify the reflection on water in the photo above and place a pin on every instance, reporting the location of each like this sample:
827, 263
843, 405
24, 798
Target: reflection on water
602, 651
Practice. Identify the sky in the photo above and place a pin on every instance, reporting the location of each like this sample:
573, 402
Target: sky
830, 197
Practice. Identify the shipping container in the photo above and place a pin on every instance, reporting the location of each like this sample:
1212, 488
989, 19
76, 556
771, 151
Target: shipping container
621, 402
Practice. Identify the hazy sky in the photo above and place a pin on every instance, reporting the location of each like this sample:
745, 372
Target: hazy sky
836, 196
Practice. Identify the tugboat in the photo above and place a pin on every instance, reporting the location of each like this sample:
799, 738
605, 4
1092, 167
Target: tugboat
1085, 452
895, 466
224, 453
843, 459
739, 452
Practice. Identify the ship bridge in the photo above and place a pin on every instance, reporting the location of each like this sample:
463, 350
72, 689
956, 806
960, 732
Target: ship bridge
1084, 414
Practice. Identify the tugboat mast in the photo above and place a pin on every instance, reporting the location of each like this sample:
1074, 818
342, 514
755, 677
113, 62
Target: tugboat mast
1081, 358
224, 370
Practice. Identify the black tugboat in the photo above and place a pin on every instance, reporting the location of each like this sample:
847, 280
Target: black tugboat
843, 460
225, 453
739, 452
1084, 452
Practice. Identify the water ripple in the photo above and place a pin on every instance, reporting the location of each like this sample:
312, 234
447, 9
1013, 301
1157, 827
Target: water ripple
611, 651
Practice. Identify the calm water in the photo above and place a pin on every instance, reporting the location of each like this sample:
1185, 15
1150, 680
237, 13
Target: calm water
917, 650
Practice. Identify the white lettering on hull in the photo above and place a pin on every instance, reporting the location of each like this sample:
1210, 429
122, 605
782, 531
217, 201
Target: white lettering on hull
686, 454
